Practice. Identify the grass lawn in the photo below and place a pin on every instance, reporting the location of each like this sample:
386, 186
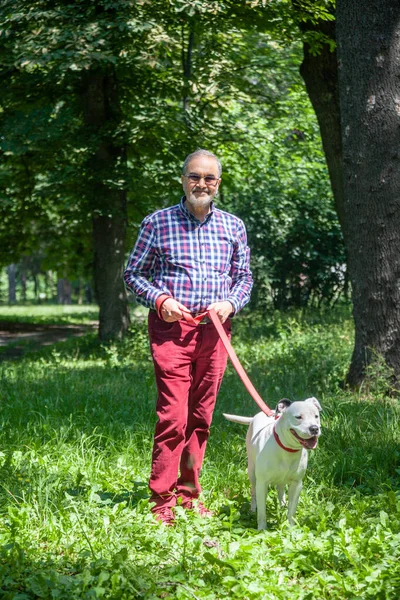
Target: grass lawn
75, 444
43, 314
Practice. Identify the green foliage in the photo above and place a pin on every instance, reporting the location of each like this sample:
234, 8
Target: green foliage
222, 75
281, 190
379, 380
76, 440
299, 338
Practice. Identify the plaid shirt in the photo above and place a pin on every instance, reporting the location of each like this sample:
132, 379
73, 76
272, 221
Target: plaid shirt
195, 263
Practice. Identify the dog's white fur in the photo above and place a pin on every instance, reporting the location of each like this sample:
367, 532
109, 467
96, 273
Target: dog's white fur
298, 428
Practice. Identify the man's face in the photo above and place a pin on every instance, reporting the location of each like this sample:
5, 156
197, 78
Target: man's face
198, 191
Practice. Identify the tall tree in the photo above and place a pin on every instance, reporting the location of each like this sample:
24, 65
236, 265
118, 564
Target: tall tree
108, 203
104, 100
368, 36
319, 70
63, 66
12, 298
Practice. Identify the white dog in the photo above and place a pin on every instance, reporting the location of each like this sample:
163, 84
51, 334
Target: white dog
277, 451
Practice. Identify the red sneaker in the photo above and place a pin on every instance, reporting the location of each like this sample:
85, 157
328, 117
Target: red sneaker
164, 515
198, 507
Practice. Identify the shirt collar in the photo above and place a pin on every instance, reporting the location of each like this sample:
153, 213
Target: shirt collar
189, 215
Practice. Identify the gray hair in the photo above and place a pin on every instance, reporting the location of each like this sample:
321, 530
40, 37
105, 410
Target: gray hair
201, 152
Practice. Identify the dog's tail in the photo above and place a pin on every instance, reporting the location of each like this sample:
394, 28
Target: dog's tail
237, 419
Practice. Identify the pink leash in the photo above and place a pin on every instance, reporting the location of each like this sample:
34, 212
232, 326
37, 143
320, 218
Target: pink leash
232, 355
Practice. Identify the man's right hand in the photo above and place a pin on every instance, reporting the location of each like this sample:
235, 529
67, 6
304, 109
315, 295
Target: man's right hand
171, 310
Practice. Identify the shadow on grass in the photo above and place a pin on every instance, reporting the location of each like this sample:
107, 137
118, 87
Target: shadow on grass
101, 400
102, 395
19, 339
116, 576
103, 405
132, 496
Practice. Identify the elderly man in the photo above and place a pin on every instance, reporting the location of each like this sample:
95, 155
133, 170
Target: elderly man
188, 258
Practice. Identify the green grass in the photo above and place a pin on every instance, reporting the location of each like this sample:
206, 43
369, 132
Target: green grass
50, 314
76, 437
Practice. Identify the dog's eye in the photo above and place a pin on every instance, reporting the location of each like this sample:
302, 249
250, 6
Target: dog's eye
299, 417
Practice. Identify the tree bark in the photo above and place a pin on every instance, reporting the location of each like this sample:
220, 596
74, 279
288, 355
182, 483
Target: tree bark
109, 243
108, 204
64, 291
320, 74
23, 285
187, 67
12, 284
368, 36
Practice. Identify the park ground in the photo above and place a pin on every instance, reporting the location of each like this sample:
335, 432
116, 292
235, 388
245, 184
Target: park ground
77, 420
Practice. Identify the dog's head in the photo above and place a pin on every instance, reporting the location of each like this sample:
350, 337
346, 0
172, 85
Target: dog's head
302, 419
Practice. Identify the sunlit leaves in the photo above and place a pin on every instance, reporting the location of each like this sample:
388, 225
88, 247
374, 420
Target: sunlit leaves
222, 75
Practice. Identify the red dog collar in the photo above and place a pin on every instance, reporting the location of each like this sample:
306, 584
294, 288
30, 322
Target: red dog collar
278, 441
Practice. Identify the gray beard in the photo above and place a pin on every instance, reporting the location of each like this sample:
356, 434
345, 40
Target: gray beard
203, 202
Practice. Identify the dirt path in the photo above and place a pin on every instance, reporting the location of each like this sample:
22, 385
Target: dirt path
18, 338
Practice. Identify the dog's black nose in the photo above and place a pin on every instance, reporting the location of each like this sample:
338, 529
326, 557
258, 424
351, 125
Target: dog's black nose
314, 429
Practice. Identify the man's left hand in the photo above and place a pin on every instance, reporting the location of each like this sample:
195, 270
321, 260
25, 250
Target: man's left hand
223, 309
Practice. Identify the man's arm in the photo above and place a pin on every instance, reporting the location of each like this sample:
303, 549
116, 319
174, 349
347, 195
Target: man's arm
242, 280
140, 267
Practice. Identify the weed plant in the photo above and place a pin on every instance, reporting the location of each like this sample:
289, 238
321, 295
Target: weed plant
76, 437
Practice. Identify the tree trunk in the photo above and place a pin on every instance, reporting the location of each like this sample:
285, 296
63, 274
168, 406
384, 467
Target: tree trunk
23, 286
60, 291
49, 285
80, 291
187, 69
109, 242
108, 204
368, 35
320, 74
12, 284
64, 291
88, 294
36, 287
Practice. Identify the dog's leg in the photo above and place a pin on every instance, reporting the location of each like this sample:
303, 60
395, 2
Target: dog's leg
261, 498
293, 498
281, 494
253, 504
251, 470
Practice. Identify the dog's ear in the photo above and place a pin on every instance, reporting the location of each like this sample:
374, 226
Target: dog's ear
315, 402
282, 406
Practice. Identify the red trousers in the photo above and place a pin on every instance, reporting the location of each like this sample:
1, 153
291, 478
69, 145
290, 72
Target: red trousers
189, 363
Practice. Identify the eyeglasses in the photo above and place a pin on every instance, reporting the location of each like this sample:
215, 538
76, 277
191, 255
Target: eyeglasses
208, 179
